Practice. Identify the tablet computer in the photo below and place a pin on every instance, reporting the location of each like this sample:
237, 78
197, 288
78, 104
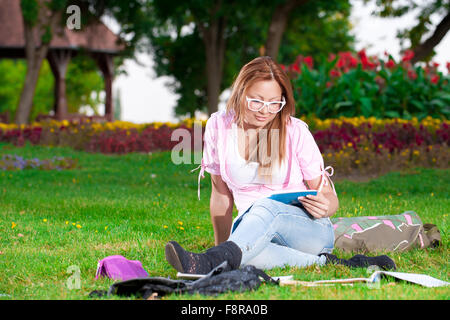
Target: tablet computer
292, 197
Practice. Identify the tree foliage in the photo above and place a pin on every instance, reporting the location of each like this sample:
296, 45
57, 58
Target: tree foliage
84, 86
41, 19
178, 44
424, 35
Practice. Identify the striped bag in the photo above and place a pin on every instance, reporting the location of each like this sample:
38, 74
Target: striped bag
384, 233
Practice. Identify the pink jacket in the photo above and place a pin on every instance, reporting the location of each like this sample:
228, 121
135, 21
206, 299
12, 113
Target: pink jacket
305, 162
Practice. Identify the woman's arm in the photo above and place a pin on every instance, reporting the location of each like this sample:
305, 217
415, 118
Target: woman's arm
325, 204
221, 209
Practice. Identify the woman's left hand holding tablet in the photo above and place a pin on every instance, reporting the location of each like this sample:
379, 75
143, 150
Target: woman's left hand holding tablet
317, 206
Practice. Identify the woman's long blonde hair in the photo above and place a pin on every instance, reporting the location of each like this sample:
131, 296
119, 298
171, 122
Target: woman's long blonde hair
263, 69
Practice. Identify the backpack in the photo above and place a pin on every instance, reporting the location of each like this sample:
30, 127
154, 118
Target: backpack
384, 233
216, 282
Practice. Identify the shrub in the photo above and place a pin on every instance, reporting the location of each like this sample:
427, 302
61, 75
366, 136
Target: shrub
350, 85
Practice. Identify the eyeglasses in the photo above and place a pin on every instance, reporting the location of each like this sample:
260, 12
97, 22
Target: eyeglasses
272, 106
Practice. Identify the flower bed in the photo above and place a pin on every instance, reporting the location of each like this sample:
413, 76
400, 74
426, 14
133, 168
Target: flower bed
109, 137
12, 162
364, 145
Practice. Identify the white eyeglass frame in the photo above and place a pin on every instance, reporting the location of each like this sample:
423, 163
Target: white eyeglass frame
265, 103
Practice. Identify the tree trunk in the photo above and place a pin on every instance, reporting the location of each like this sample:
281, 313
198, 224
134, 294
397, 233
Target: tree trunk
214, 41
425, 49
36, 51
59, 60
106, 65
28, 90
277, 26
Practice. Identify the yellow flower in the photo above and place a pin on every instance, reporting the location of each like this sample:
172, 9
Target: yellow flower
357, 161
45, 220
165, 227
13, 225
106, 227
67, 222
78, 226
416, 152
181, 228
180, 223
349, 144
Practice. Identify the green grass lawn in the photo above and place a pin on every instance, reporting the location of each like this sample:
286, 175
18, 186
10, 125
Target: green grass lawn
131, 205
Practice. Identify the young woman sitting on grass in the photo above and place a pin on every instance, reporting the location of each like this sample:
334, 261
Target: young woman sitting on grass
252, 150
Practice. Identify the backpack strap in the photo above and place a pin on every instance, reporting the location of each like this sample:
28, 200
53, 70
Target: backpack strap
433, 234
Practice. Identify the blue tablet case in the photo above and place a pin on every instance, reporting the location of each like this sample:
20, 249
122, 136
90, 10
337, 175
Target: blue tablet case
292, 197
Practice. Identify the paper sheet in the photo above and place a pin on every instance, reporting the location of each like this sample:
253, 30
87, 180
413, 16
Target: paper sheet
420, 279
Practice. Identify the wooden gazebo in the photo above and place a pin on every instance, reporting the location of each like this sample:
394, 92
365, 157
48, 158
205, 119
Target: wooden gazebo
95, 39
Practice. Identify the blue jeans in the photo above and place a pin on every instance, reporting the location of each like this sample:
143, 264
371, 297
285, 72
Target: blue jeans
273, 234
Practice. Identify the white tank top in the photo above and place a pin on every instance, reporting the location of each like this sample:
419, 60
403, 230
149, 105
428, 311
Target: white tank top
246, 173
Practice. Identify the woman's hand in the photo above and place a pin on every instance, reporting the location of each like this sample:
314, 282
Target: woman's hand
318, 206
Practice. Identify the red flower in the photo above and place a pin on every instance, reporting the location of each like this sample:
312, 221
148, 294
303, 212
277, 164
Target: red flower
434, 79
308, 61
412, 74
295, 67
283, 67
346, 61
353, 62
366, 63
390, 64
448, 67
335, 73
408, 55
